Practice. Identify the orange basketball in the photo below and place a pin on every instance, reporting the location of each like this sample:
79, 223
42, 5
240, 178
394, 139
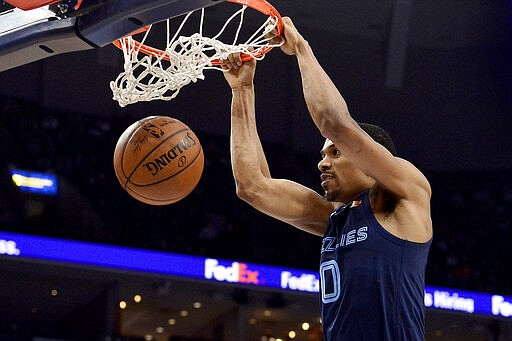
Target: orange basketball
158, 160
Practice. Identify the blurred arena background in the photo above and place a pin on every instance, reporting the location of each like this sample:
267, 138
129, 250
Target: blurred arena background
436, 74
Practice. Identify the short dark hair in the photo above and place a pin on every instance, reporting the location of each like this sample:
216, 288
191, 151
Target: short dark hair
379, 135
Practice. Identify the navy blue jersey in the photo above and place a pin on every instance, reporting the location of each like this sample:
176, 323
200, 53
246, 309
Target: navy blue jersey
372, 282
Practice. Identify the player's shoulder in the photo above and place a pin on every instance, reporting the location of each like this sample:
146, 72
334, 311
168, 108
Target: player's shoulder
418, 181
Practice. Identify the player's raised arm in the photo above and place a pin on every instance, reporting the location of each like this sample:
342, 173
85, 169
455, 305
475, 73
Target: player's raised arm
282, 199
331, 115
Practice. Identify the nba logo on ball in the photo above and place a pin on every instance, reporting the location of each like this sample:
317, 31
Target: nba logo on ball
158, 160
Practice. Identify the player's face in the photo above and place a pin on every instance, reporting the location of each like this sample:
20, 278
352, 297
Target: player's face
341, 180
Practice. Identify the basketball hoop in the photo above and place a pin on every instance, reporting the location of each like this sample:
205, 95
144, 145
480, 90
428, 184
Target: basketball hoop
154, 74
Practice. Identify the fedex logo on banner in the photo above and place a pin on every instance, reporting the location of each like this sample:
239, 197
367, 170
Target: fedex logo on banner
304, 282
500, 306
233, 273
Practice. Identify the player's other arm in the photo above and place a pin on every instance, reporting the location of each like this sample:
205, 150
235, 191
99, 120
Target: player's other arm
282, 199
330, 113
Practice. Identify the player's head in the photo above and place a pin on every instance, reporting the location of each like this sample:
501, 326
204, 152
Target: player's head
379, 135
341, 179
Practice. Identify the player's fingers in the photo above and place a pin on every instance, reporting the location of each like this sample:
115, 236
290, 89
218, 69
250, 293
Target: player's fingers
235, 60
226, 64
223, 65
272, 37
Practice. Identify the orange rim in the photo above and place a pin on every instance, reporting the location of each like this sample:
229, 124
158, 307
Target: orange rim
260, 5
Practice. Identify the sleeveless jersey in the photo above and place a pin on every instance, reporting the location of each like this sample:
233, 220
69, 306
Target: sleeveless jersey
371, 282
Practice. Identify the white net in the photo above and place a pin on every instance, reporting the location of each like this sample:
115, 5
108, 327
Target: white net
160, 76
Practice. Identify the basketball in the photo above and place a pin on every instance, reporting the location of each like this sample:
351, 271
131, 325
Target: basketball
158, 160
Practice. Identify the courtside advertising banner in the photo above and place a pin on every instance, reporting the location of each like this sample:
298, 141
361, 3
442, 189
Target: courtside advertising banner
211, 269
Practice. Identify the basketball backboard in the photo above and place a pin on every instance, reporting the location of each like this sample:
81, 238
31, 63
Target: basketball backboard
35, 32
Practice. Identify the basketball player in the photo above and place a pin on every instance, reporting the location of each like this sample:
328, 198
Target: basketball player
374, 216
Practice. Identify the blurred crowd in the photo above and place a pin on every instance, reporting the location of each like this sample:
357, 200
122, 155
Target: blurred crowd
471, 210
